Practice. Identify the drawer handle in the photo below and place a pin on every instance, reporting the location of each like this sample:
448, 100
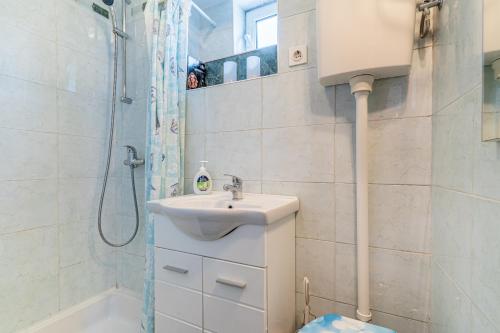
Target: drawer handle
231, 283
175, 269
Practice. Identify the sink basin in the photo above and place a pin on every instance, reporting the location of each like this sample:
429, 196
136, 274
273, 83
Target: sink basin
210, 217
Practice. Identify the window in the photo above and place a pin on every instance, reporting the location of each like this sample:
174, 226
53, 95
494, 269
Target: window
261, 26
267, 31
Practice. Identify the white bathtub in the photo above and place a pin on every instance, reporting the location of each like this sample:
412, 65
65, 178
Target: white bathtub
113, 311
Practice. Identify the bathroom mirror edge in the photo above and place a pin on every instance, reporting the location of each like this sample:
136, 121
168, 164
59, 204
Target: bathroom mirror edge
241, 44
490, 73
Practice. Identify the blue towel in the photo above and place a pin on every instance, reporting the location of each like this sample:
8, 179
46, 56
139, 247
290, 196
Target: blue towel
334, 323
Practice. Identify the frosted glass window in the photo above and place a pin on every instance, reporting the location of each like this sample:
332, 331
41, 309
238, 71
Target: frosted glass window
267, 31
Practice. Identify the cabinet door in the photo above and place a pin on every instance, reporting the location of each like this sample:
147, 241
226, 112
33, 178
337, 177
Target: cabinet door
180, 303
240, 283
223, 316
178, 268
165, 324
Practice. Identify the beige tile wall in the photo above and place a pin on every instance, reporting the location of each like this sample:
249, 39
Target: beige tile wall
466, 185
54, 97
286, 134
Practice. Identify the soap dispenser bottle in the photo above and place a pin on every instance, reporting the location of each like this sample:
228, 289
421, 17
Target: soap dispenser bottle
202, 183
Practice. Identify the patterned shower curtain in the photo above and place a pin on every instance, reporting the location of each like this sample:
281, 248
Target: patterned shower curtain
167, 23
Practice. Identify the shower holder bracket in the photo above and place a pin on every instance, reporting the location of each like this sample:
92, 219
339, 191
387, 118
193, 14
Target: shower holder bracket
425, 8
427, 4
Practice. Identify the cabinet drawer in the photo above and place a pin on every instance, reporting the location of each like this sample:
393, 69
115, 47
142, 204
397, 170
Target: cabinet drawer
240, 283
179, 268
165, 324
179, 303
223, 316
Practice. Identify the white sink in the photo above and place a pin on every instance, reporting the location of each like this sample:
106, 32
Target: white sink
210, 217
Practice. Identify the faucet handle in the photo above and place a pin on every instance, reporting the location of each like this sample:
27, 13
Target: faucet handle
236, 180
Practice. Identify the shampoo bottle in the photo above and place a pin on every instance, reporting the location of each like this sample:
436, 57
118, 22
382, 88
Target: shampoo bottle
202, 183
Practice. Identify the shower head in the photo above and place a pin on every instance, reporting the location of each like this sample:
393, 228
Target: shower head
108, 2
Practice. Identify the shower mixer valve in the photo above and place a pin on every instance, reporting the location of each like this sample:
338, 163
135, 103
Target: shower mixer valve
132, 160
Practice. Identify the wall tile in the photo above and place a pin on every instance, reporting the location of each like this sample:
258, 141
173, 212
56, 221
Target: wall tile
454, 144
345, 137
33, 302
15, 196
345, 213
92, 35
127, 225
292, 7
486, 181
452, 218
83, 74
133, 126
316, 260
21, 148
125, 200
299, 154
195, 152
345, 273
400, 324
223, 106
35, 16
451, 308
84, 280
407, 96
399, 281
79, 197
400, 216
28, 259
485, 291
27, 105
27, 56
237, 153
196, 111
80, 116
479, 322
400, 151
80, 242
294, 31
38, 250
285, 105
458, 44
81, 157
316, 217
131, 272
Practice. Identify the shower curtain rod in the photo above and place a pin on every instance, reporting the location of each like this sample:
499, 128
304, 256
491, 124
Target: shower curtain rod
200, 11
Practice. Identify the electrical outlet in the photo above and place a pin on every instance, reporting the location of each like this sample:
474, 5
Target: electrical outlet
297, 55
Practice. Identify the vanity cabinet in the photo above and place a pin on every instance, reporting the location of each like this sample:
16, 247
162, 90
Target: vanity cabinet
241, 283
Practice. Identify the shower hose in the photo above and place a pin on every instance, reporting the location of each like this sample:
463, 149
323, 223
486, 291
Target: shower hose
108, 162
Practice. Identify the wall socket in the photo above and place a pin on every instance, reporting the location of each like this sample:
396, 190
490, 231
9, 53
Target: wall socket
297, 55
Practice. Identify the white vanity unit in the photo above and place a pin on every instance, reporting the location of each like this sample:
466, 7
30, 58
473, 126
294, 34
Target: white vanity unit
225, 266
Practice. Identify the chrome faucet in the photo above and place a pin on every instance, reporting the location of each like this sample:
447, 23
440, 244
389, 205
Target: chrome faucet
236, 188
132, 160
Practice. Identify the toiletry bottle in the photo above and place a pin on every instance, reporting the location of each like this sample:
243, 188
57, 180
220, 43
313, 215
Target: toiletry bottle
202, 183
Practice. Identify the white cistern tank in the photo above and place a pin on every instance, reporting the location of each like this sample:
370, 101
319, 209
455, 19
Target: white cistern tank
360, 41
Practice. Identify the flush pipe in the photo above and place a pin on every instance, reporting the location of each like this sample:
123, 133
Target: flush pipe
361, 87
